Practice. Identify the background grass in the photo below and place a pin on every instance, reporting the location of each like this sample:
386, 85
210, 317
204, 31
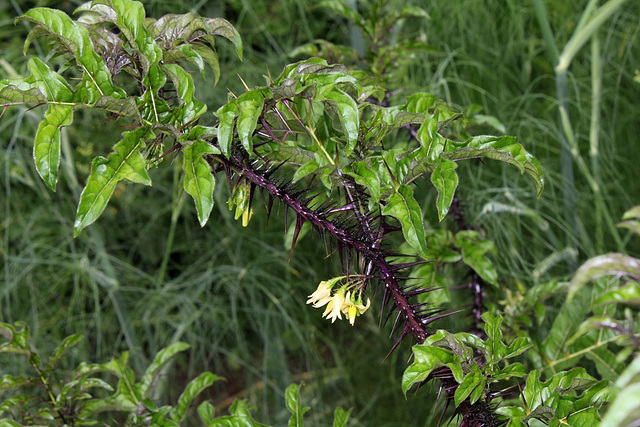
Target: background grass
145, 275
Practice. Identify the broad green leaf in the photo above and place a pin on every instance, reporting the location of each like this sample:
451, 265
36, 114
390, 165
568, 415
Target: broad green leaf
19, 92
422, 103
227, 115
76, 39
190, 37
192, 55
240, 417
633, 225
503, 148
193, 389
367, 177
445, 179
126, 162
126, 397
517, 347
11, 423
515, 413
207, 412
340, 417
172, 28
349, 116
413, 11
427, 358
68, 343
17, 336
584, 418
595, 323
310, 167
130, 20
633, 213
52, 84
628, 294
190, 109
470, 383
404, 207
250, 105
222, 27
292, 401
492, 328
625, 408
124, 107
10, 382
343, 9
415, 374
163, 357
211, 58
46, 148
515, 370
428, 273
395, 118
474, 254
199, 181
532, 390
604, 265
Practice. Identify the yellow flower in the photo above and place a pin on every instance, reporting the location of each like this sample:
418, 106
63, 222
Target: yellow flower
322, 295
354, 307
335, 306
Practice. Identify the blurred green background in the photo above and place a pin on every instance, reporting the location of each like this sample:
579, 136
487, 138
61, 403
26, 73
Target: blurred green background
146, 275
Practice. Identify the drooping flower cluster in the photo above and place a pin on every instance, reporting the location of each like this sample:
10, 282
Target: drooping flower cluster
345, 300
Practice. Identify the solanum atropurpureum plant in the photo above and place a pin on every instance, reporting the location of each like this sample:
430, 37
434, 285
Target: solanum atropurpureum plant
316, 139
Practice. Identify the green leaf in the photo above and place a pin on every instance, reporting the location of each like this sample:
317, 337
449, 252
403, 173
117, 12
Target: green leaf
628, 294
130, 20
292, 400
190, 109
199, 181
427, 358
17, 336
126, 162
367, 177
349, 117
46, 148
193, 389
445, 179
474, 254
309, 167
515, 370
210, 57
222, 27
163, 357
207, 413
625, 409
227, 115
404, 207
20, 92
604, 265
52, 84
517, 347
633, 213
76, 39
340, 417
124, 107
68, 343
240, 417
342, 9
503, 148
472, 381
250, 105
